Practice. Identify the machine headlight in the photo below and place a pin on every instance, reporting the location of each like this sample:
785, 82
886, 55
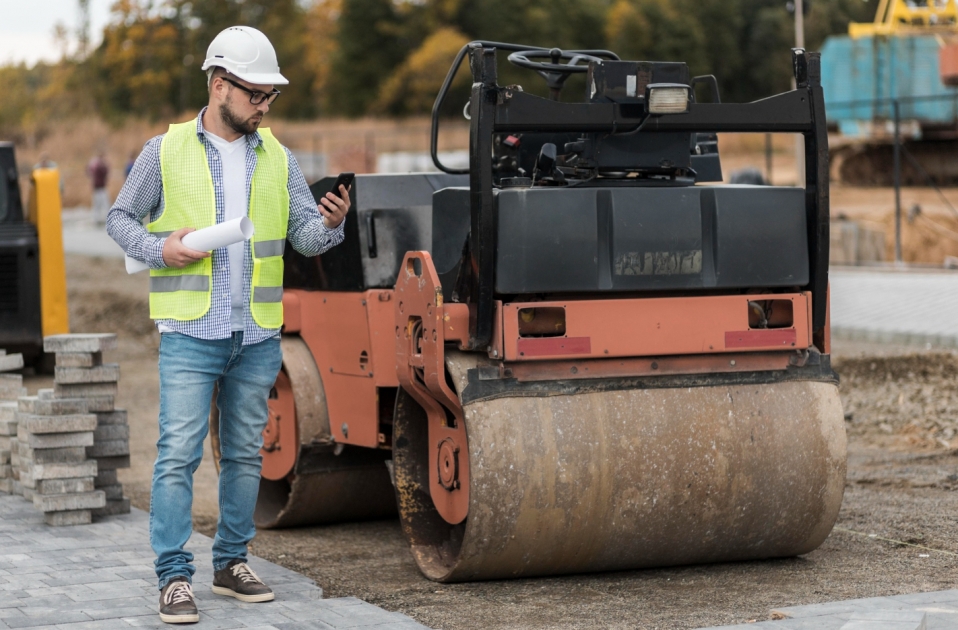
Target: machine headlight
667, 98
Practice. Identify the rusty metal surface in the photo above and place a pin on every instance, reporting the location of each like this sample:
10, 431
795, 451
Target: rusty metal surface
455, 318
810, 367
631, 479
344, 360
280, 439
629, 327
434, 543
648, 366
312, 416
322, 486
292, 312
421, 370
328, 488
807, 367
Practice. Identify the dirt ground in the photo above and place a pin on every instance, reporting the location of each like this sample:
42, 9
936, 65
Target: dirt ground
929, 224
895, 533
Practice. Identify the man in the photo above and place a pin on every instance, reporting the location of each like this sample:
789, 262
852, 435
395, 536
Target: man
219, 316
98, 170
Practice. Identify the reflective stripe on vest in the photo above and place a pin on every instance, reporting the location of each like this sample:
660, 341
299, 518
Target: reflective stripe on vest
267, 295
186, 294
166, 284
264, 249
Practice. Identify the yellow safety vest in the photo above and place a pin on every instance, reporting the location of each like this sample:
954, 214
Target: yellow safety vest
186, 294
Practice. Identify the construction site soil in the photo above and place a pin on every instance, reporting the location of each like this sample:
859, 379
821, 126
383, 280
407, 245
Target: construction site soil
896, 532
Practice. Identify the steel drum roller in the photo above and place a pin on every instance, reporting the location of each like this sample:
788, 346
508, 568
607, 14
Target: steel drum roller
630, 479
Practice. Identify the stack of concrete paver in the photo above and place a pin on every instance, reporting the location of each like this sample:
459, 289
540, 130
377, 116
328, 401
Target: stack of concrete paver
81, 374
10, 362
11, 388
55, 472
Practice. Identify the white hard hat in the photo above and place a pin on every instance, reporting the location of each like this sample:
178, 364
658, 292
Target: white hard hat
247, 53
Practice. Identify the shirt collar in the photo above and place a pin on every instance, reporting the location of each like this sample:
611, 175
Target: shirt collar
253, 140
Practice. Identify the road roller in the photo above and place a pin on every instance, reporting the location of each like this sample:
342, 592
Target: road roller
582, 353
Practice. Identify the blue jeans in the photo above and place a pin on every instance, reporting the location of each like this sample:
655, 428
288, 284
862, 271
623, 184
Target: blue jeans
189, 368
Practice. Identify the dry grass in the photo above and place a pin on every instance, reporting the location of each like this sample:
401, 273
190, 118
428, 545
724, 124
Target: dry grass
754, 143
351, 145
71, 144
927, 237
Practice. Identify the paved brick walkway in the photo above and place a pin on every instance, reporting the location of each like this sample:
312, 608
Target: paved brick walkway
906, 307
100, 577
919, 611
82, 236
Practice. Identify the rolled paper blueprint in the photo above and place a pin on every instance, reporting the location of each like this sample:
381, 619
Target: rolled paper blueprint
207, 239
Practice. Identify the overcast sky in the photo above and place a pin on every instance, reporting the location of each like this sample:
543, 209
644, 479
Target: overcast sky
26, 27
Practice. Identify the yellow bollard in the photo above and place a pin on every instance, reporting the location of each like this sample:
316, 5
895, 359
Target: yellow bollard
45, 210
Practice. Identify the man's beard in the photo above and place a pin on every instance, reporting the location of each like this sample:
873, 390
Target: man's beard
236, 123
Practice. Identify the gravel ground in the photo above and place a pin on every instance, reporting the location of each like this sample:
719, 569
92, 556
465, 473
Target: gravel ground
895, 532
908, 401
899, 496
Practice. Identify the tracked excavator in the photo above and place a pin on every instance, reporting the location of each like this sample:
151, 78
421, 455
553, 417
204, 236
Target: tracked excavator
33, 288
572, 356
904, 66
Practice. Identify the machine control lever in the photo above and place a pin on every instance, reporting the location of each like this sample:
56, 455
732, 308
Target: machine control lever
546, 164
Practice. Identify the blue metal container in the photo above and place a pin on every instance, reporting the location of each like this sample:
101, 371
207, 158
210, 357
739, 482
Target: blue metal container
876, 69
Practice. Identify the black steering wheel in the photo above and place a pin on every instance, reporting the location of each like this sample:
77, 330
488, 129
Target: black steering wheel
552, 71
524, 52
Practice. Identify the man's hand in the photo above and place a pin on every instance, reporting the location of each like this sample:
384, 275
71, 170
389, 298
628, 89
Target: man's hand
334, 208
178, 255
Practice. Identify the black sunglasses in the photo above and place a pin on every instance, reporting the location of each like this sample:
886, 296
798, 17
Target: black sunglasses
255, 96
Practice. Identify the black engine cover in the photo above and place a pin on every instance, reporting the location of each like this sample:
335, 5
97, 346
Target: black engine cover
659, 239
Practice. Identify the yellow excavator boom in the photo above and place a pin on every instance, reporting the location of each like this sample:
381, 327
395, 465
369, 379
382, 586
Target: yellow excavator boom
45, 211
900, 17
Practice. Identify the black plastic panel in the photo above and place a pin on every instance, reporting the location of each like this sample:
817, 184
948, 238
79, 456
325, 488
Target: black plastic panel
650, 151
650, 239
705, 158
390, 215
450, 227
339, 269
760, 233
11, 207
19, 288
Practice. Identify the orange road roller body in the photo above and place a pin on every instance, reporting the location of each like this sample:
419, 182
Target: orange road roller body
570, 356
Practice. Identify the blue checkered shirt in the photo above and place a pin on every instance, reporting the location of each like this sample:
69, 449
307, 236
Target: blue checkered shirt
142, 194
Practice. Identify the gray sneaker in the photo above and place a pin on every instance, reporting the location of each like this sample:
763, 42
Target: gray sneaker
176, 602
238, 580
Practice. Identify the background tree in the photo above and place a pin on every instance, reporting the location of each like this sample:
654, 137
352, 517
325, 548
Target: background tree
388, 57
322, 26
658, 30
369, 46
138, 65
413, 86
